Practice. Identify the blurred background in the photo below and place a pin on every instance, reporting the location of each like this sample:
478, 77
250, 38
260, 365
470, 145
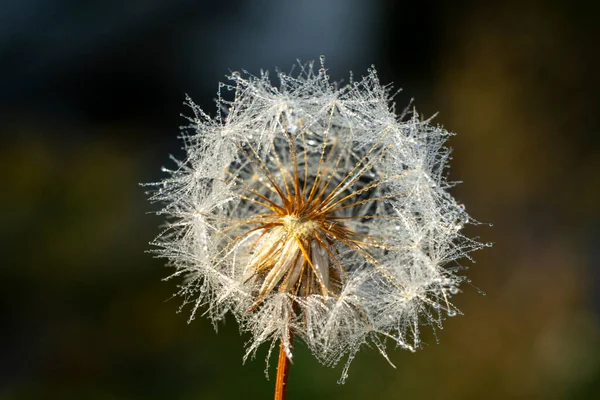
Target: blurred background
90, 102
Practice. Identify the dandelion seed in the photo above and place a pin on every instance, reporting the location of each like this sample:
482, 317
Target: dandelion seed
312, 211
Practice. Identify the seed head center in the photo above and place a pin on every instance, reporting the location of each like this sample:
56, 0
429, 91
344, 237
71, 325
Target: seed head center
298, 226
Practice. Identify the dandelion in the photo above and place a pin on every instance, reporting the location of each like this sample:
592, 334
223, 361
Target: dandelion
312, 211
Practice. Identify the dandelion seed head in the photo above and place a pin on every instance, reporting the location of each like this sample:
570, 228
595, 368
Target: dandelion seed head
311, 209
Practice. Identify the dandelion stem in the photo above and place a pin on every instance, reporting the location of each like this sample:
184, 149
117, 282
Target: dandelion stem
283, 367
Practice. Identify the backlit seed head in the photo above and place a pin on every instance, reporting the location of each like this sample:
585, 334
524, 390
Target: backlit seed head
312, 210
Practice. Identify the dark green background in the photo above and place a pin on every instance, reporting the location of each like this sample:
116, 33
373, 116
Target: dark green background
90, 97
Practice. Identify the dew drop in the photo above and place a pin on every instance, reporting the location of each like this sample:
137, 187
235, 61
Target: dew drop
451, 313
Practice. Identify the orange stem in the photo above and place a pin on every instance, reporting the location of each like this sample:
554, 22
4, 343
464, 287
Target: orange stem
283, 367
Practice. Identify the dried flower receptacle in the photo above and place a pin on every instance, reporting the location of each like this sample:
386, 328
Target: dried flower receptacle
300, 231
